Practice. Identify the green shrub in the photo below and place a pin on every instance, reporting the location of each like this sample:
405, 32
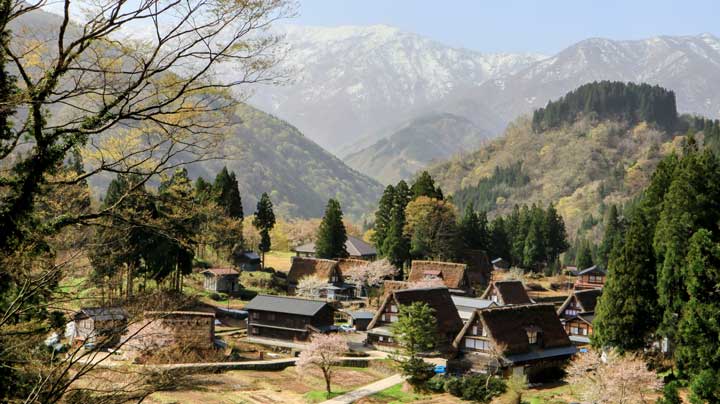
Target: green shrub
418, 370
670, 394
245, 294
437, 384
475, 387
705, 387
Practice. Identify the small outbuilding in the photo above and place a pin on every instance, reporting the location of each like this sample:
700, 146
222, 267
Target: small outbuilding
507, 293
361, 319
247, 261
102, 326
591, 278
224, 280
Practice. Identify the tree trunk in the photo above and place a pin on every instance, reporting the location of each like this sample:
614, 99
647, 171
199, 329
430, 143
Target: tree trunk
327, 380
129, 280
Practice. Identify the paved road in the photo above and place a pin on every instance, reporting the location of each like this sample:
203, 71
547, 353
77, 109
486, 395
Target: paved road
365, 391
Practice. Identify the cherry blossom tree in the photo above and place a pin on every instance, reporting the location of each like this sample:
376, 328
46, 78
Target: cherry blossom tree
310, 286
371, 274
612, 378
324, 352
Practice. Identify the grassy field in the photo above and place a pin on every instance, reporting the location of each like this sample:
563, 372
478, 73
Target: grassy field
252, 387
279, 260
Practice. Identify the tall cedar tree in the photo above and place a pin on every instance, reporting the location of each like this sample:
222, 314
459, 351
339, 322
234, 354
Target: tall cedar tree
383, 215
264, 221
584, 257
227, 194
534, 249
499, 242
554, 234
627, 312
416, 331
397, 245
331, 235
611, 236
698, 346
691, 203
473, 228
425, 186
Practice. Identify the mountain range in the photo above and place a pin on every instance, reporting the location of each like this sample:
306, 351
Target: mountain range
356, 87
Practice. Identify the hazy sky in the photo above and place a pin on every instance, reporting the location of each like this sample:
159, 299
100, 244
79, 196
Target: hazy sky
544, 26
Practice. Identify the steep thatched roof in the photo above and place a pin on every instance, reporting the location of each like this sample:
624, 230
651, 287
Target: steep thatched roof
587, 300
438, 299
302, 267
510, 292
453, 275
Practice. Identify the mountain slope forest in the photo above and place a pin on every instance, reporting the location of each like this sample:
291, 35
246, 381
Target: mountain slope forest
433, 137
266, 153
584, 159
270, 155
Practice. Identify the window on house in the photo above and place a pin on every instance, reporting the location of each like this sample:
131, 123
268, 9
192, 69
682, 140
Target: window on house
474, 330
380, 338
256, 315
255, 331
574, 330
271, 316
478, 344
393, 308
393, 318
532, 337
494, 298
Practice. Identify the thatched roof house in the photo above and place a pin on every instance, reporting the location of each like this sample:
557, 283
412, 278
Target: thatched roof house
452, 275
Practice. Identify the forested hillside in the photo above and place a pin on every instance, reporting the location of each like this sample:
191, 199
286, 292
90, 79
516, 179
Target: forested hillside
588, 162
411, 148
270, 155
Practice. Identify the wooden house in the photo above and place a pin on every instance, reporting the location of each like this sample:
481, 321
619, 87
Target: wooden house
361, 319
288, 318
448, 321
183, 329
101, 326
523, 339
577, 314
452, 275
591, 278
325, 270
223, 280
507, 293
355, 247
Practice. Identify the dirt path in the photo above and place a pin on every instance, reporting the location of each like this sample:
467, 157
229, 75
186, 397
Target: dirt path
365, 391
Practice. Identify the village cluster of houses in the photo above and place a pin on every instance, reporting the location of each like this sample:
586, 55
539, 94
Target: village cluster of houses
503, 328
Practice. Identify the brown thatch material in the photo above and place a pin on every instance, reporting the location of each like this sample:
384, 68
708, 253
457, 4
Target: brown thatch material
303, 267
453, 275
507, 326
391, 286
479, 268
346, 264
438, 299
510, 292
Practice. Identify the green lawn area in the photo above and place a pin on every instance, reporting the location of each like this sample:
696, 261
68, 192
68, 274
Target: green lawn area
553, 395
318, 396
395, 394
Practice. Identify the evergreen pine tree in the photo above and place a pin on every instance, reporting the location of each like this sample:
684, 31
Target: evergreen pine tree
383, 215
331, 235
627, 312
499, 243
203, 190
264, 221
584, 258
534, 249
612, 234
698, 345
425, 186
473, 229
227, 194
397, 245
554, 234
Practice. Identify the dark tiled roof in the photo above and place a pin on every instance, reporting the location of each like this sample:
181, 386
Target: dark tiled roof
592, 270
452, 274
511, 292
284, 304
367, 315
439, 299
471, 302
508, 325
220, 271
354, 246
560, 352
302, 267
